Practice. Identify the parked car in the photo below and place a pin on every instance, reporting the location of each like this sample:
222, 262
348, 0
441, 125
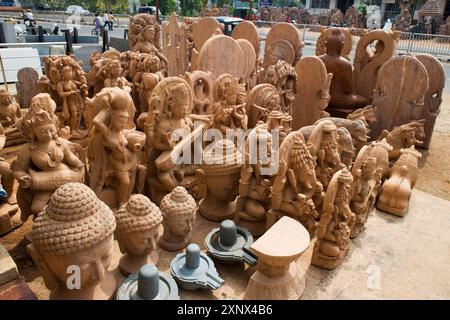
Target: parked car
76, 10
42, 6
149, 10
229, 23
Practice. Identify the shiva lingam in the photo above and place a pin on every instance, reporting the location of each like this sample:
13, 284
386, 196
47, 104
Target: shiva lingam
148, 284
193, 270
230, 244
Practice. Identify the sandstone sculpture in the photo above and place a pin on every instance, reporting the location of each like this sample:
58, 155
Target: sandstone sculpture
202, 85
75, 229
282, 76
343, 98
321, 41
144, 34
283, 42
312, 95
433, 96
368, 61
9, 116
296, 192
278, 276
178, 209
174, 46
219, 173
248, 31
399, 92
138, 222
396, 190
115, 149
404, 136
261, 101
333, 231
26, 86
364, 173
47, 161
248, 64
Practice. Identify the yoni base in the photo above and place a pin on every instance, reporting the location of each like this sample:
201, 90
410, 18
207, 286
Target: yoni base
287, 287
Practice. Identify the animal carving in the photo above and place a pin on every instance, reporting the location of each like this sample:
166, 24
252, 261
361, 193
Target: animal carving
404, 136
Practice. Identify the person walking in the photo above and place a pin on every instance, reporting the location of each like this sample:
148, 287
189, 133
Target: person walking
112, 19
106, 20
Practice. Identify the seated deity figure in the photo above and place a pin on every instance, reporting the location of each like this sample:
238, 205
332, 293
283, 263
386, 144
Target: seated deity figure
341, 89
9, 110
47, 161
115, 150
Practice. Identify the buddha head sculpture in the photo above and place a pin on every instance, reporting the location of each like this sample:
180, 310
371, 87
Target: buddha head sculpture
335, 42
137, 232
220, 173
178, 209
72, 242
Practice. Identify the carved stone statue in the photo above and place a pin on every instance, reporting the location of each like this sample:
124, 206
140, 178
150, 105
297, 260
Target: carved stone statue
153, 73
229, 110
403, 21
368, 61
282, 76
396, 190
47, 161
403, 136
296, 192
202, 85
364, 173
343, 96
325, 148
138, 222
261, 101
112, 70
312, 95
74, 230
324, 34
9, 115
333, 231
115, 150
219, 174
179, 211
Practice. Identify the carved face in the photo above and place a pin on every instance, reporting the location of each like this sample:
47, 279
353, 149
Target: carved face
45, 133
180, 226
119, 120
231, 97
140, 243
225, 187
116, 70
274, 102
67, 74
180, 110
92, 263
5, 99
149, 34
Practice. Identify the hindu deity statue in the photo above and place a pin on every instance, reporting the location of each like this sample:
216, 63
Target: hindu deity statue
115, 147
113, 75
296, 192
47, 161
283, 77
333, 230
404, 136
9, 110
325, 148
365, 180
219, 173
138, 223
341, 89
229, 110
74, 236
261, 100
151, 76
179, 210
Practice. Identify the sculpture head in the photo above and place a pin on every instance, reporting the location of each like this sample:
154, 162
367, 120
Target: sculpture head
152, 63
302, 162
241, 94
115, 68
75, 230
148, 34
178, 209
222, 164
138, 223
335, 42
119, 119
369, 168
5, 98
66, 73
179, 102
343, 194
274, 120
231, 92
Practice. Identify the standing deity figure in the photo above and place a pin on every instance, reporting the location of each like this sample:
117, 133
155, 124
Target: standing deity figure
152, 75
47, 161
229, 110
74, 235
115, 149
333, 230
325, 148
283, 77
366, 178
296, 192
144, 33
341, 89
72, 101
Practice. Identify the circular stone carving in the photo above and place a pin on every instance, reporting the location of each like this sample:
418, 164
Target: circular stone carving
203, 29
288, 32
279, 50
247, 30
249, 56
221, 54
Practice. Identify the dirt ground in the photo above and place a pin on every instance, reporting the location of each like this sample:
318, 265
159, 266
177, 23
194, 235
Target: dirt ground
434, 178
